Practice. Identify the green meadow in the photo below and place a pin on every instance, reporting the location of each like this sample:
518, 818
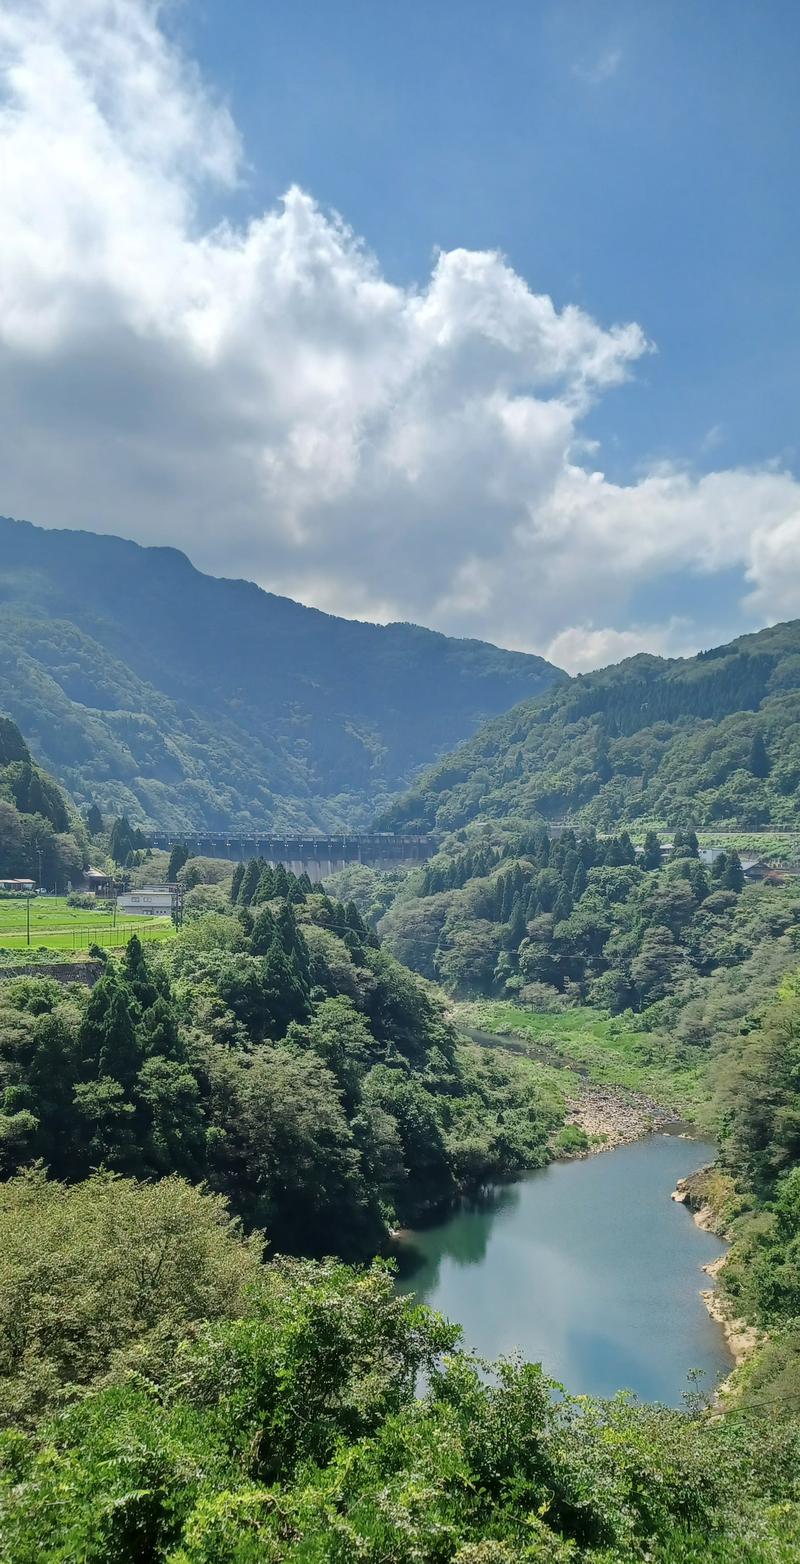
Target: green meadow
56, 926
608, 1048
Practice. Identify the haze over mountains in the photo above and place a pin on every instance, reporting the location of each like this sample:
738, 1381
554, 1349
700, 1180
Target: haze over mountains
189, 701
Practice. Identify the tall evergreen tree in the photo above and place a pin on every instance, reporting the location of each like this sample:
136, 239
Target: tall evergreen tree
263, 932
580, 882
249, 881
759, 759
733, 877
107, 1042
94, 820
177, 858
517, 927
265, 889
651, 856
138, 976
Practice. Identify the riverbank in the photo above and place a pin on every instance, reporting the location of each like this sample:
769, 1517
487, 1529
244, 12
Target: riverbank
695, 1192
608, 1050
610, 1117
597, 1116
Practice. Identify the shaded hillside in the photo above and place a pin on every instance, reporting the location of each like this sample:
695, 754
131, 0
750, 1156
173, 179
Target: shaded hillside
40, 838
712, 740
190, 701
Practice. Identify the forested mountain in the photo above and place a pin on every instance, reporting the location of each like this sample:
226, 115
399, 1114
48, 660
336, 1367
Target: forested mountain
40, 837
187, 701
712, 740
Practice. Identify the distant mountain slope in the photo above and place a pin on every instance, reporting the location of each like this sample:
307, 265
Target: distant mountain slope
712, 740
187, 700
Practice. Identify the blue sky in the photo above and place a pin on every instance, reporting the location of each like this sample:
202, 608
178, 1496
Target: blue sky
637, 163
640, 159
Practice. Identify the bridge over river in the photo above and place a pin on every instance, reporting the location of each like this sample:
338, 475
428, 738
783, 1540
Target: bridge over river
317, 855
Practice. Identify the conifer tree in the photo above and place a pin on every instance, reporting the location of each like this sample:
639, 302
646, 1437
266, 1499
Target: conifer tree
250, 879
517, 927
157, 1032
285, 997
579, 882
94, 820
733, 877
177, 858
759, 759
136, 974
263, 932
236, 883
651, 857
265, 889
107, 1043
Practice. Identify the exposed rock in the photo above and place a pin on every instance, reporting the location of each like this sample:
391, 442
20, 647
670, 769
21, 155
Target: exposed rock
611, 1116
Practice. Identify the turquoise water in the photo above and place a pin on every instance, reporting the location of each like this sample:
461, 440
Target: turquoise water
587, 1267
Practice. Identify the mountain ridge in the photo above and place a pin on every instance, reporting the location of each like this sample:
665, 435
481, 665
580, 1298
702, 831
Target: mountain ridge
668, 740
190, 701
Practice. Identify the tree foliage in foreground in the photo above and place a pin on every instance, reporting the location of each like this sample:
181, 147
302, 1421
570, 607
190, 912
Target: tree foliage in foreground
293, 1434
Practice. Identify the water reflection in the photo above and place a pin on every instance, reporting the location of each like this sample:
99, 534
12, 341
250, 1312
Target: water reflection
464, 1241
587, 1267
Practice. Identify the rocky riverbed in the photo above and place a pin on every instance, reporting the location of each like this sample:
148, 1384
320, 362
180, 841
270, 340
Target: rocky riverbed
611, 1117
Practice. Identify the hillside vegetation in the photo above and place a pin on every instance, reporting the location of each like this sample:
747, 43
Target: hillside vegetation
38, 829
189, 702
709, 741
170, 1393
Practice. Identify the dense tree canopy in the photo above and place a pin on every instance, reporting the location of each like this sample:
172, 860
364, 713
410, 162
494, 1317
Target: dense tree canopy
583, 916
274, 1051
712, 740
39, 838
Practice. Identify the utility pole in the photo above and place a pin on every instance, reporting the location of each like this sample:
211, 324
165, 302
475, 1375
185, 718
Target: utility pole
28, 915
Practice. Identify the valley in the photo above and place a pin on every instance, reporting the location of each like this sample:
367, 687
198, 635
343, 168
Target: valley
467, 1043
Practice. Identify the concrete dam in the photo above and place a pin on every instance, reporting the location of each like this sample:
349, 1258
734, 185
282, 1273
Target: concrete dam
319, 856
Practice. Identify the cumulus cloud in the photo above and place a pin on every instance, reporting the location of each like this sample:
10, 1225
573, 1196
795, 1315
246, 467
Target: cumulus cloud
262, 396
582, 647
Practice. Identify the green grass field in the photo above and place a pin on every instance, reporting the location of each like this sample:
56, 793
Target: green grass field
607, 1048
55, 926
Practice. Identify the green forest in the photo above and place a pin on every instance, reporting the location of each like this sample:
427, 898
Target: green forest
185, 1376
208, 1147
583, 918
41, 836
706, 741
188, 702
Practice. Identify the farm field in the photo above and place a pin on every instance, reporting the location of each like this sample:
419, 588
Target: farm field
56, 926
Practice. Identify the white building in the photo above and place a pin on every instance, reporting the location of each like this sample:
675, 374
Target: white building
153, 899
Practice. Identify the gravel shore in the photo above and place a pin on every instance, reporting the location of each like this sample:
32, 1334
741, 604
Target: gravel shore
611, 1116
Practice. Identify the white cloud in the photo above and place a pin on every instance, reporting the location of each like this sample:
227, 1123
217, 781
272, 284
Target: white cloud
774, 569
601, 69
582, 647
262, 396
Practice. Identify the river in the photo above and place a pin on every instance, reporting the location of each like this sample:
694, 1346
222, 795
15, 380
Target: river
586, 1266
